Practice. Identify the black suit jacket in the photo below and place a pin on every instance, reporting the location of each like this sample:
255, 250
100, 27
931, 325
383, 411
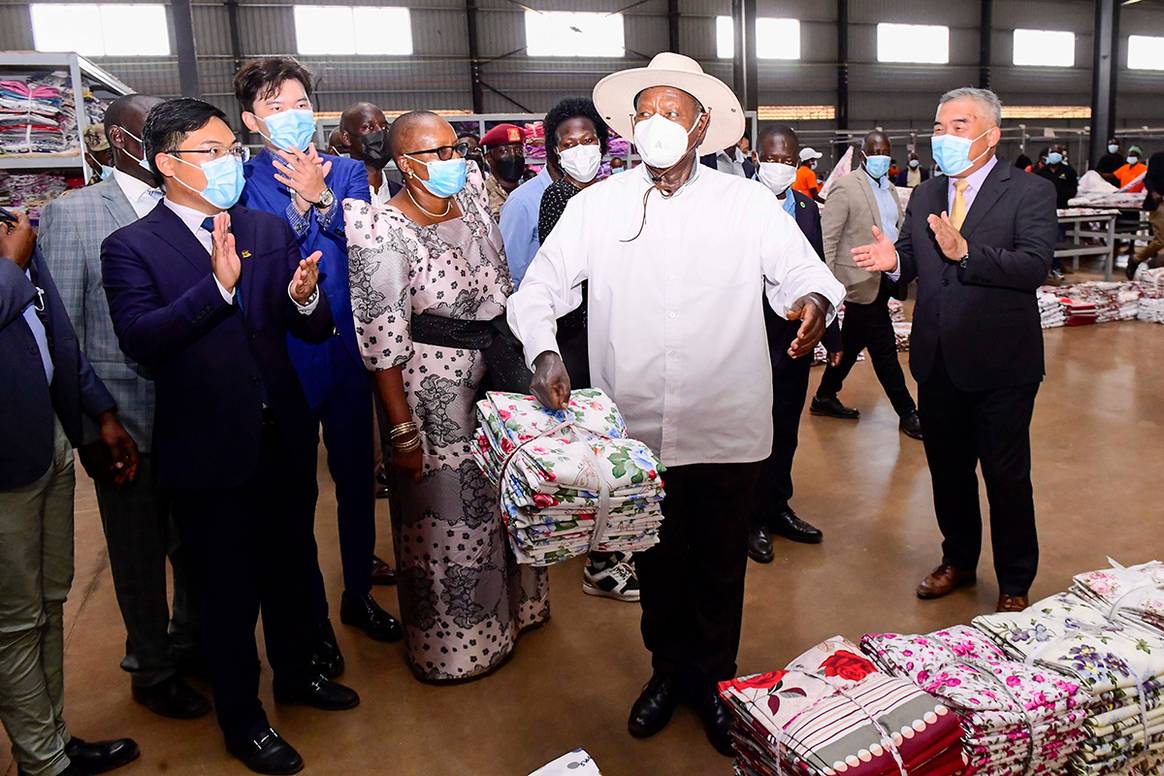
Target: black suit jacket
215, 364
1154, 180
27, 402
984, 318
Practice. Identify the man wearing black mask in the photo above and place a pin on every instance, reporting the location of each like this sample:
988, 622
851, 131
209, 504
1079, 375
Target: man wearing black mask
505, 152
364, 131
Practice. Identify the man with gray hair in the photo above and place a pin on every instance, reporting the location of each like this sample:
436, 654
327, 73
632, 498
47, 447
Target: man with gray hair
978, 239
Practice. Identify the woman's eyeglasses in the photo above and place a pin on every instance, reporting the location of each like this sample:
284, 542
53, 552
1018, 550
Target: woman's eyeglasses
444, 153
238, 150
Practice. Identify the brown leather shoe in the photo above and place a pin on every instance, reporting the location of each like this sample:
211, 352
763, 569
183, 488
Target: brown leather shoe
943, 580
1012, 603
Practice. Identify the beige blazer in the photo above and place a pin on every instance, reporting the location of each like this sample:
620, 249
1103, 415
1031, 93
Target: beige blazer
846, 220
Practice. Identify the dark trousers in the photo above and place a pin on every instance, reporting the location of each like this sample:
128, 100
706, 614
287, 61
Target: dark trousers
346, 417
789, 390
251, 552
991, 428
869, 326
692, 581
140, 534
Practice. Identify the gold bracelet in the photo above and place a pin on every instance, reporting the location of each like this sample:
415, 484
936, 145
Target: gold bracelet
407, 447
402, 429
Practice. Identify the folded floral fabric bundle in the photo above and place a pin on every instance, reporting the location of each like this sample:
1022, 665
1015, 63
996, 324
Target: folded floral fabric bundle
1016, 719
832, 712
1132, 594
569, 481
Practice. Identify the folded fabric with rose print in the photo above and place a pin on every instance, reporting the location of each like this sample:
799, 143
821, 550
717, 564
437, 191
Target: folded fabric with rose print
569, 481
1017, 719
832, 712
1131, 594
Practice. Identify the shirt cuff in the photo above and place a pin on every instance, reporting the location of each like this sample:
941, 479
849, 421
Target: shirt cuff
298, 221
539, 344
895, 275
312, 302
325, 217
227, 295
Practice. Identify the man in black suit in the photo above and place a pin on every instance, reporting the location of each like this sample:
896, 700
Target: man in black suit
979, 241
48, 394
779, 151
205, 293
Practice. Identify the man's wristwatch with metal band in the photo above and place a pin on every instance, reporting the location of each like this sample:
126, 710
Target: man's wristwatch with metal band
326, 200
962, 261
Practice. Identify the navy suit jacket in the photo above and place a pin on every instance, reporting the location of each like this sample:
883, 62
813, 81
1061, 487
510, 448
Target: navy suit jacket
318, 365
214, 363
27, 402
984, 318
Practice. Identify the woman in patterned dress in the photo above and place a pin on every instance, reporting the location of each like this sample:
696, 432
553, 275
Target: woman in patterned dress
433, 250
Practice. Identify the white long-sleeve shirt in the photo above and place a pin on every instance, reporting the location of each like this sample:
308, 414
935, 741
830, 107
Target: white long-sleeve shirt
675, 320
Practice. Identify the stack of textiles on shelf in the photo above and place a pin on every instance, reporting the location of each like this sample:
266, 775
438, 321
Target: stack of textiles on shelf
1051, 310
1112, 301
570, 481
832, 712
1016, 719
535, 145
37, 115
1120, 665
1151, 282
32, 191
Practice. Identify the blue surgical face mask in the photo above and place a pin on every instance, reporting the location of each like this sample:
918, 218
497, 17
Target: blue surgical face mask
877, 165
445, 178
224, 181
290, 129
1054, 158
1132, 161
106, 172
952, 153
1112, 148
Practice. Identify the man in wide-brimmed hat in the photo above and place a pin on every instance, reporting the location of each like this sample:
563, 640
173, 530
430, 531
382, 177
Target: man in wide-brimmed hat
678, 258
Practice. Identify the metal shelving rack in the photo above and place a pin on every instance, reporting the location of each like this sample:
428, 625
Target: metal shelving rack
82, 74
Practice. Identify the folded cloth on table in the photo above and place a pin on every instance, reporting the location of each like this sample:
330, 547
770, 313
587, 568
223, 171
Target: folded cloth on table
1132, 594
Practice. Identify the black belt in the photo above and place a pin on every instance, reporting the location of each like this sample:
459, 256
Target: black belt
503, 357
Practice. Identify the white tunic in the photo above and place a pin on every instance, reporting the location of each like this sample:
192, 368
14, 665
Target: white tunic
676, 322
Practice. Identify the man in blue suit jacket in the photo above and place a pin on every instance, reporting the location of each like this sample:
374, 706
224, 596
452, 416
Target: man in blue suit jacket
779, 148
48, 391
291, 180
205, 293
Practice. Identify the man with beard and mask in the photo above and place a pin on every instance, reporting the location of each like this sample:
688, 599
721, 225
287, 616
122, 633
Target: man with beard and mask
779, 150
866, 199
505, 156
290, 179
364, 132
677, 259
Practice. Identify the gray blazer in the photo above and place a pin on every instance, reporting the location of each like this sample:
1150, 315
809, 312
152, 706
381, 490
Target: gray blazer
846, 220
72, 229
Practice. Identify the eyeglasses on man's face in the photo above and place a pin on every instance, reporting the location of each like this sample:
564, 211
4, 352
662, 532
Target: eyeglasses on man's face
238, 150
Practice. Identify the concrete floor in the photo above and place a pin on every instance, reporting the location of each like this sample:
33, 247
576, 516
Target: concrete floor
1098, 436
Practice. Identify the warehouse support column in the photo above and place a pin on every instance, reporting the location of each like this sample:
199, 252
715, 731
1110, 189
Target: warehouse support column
474, 57
842, 64
673, 25
1103, 75
187, 52
985, 31
744, 69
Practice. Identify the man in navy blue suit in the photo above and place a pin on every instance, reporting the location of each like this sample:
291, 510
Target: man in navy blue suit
290, 179
205, 293
779, 150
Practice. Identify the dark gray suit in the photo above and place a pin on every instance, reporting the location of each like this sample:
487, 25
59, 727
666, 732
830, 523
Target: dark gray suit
138, 525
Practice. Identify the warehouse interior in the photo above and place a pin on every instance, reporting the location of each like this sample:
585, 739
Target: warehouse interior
1078, 74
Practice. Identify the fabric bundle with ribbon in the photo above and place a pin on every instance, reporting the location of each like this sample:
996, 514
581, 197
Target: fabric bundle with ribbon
832, 712
1132, 594
569, 481
1017, 719
1119, 663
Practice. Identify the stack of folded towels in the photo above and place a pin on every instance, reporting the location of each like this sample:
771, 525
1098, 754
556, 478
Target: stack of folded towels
569, 481
832, 712
1080, 313
1051, 310
1016, 719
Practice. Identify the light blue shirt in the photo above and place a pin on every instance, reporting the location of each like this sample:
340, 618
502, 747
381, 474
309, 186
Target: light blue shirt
519, 224
38, 332
789, 203
885, 205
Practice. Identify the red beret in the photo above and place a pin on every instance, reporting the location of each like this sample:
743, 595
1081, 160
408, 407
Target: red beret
503, 134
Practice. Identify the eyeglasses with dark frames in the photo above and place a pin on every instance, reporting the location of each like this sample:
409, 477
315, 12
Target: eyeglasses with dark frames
444, 153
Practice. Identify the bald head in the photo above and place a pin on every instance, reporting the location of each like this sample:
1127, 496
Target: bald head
361, 113
124, 124
360, 121
412, 131
876, 144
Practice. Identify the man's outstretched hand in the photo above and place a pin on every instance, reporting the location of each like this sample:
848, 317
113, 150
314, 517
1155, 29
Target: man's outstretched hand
877, 256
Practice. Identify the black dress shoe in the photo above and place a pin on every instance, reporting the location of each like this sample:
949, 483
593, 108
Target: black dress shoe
267, 753
911, 426
364, 613
101, 756
760, 544
172, 698
654, 707
789, 525
320, 693
327, 658
831, 407
382, 573
717, 721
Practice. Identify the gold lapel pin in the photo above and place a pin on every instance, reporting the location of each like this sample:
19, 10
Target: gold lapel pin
246, 254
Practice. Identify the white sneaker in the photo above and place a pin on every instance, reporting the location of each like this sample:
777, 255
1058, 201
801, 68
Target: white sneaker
614, 580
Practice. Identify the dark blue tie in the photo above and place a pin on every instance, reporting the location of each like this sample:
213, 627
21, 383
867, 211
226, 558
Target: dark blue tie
208, 225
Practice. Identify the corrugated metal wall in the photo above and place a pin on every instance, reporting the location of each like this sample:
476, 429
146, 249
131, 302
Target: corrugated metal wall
437, 75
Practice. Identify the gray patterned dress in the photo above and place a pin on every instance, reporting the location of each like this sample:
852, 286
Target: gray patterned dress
463, 599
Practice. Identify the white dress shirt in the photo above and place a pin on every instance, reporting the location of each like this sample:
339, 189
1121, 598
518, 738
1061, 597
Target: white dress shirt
675, 316
142, 196
732, 165
380, 196
193, 220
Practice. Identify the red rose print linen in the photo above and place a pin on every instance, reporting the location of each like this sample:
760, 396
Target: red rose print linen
832, 712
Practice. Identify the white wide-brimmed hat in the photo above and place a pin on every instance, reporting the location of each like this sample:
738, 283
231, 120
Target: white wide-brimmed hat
614, 96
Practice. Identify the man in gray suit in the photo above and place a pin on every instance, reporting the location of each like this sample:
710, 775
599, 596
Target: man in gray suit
858, 202
136, 517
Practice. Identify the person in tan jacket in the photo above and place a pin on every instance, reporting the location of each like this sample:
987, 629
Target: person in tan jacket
858, 202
